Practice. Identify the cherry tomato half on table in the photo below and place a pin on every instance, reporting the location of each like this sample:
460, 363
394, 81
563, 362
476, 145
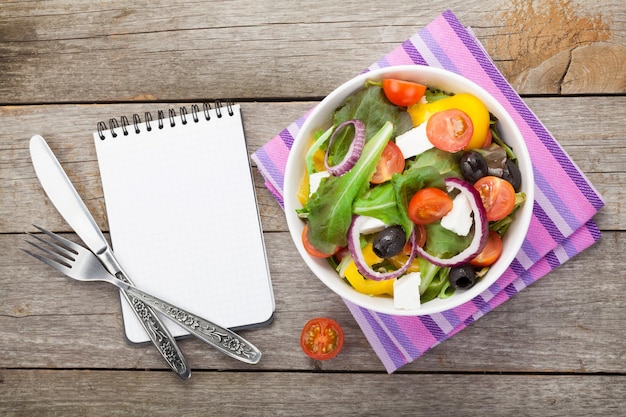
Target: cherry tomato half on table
321, 338
429, 205
497, 195
491, 252
450, 130
391, 162
403, 93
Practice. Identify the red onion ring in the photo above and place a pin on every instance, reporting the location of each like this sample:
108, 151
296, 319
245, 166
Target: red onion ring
481, 228
354, 151
354, 246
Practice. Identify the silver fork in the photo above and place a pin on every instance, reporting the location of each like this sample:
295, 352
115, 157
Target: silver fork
81, 264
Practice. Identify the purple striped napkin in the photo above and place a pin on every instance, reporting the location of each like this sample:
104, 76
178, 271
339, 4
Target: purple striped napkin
565, 200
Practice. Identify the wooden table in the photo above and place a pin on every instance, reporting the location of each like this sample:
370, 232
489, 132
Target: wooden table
557, 348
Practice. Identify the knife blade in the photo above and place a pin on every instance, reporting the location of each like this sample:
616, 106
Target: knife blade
68, 203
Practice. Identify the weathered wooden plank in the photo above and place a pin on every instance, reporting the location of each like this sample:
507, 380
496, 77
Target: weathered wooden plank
68, 52
570, 321
79, 393
599, 152
559, 47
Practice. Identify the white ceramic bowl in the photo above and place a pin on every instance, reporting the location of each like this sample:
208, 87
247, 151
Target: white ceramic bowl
321, 118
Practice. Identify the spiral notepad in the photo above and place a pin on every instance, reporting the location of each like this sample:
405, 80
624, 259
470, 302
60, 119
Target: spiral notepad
183, 216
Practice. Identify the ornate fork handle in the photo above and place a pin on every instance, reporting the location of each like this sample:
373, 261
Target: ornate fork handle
219, 337
157, 332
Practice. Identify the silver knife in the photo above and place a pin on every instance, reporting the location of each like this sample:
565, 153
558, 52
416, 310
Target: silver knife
67, 201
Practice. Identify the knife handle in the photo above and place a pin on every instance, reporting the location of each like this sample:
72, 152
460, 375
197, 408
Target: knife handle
219, 337
157, 332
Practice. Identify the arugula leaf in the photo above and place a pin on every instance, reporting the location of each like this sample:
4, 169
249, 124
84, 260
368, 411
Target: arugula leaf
444, 243
495, 135
379, 202
329, 210
432, 279
319, 141
389, 202
371, 107
445, 163
434, 94
438, 281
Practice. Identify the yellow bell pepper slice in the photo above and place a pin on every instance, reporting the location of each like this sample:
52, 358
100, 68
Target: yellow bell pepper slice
303, 190
470, 104
318, 160
365, 285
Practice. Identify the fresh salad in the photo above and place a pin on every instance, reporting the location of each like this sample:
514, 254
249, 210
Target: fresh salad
409, 193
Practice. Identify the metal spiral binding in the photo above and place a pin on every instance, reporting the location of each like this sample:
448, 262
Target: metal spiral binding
114, 126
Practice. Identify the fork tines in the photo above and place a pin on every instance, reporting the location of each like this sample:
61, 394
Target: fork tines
63, 252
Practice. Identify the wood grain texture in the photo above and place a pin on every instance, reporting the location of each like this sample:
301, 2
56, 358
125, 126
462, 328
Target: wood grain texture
166, 51
555, 349
574, 327
264, 394
68, 129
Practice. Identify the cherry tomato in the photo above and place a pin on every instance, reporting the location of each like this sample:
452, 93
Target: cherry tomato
391, 162
311, 250
429, 205
450, 130
420, 112
497, 195
491, 253
403, 93
321, 338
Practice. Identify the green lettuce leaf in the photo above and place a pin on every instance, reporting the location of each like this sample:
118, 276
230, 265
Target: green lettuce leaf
379, 202
329, 210
446, 163
370, 106
444, 243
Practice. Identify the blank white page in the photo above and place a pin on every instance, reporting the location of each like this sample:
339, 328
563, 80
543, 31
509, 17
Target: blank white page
184, 220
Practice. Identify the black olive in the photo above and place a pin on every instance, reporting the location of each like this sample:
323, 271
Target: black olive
473, 166
512, 174
389, 241
462, 277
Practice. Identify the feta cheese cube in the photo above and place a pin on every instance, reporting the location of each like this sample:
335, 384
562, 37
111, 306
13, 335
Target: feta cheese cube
314, 180
414, 142
371, 225
406, 291
459, 219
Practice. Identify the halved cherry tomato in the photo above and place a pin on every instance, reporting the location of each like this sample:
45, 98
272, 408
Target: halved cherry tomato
450, 130
429, 205
497, 195
321, 338
470, 104
491, 253
311, 250
391, 162
403, 93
